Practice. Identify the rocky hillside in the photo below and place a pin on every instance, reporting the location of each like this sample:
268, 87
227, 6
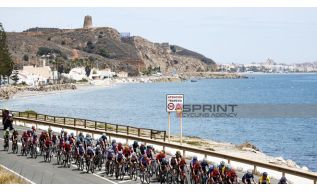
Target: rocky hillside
103, 47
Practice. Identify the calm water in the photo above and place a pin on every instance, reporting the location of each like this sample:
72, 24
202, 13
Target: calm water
143, 105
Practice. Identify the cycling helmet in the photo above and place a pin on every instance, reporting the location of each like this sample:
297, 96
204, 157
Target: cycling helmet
119, 144
72, 134
62, 131
87, 135
33, 128
195, 158
80, 133
204, 160
222, 163
178, 153
249, 171
228, 167
283, 179
150, 146
264, 174
98, 146
135, 142
162, 152
211, 167
103, 135
113, 141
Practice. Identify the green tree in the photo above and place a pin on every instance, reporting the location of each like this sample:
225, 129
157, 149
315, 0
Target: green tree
6, 62
15, 75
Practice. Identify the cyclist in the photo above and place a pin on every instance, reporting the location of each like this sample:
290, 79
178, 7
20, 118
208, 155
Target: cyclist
33, 130
80, 138
283, 180
248, 178
192, 162
264, 179
119, 147
6, 137
231, 175
142, 149
204, 165
133, 158
88, 141
50, 132
103, 141
90, 154
14, 137
196, 169
135, 145
67, 147
214, 174
71, 139
144, 161
127, 152
173, 162
48, 144
81, 150
178, 155
222, 168
150, 151
160, 156
182, 164
54, 139
110, 154
120, 157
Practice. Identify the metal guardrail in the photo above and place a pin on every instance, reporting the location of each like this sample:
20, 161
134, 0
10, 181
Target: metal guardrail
284, 170
97, 125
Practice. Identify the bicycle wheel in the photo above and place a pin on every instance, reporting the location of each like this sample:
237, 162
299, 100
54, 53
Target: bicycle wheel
121, 173
147, 177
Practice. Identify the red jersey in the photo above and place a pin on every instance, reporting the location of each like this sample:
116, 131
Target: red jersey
67, 147
197, 166
160, 156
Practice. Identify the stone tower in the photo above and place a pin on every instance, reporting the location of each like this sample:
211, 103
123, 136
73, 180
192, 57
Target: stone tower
88, 22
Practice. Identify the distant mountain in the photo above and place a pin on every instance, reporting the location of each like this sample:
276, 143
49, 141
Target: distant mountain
102, 47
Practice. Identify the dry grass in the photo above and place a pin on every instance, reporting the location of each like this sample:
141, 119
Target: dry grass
7, 177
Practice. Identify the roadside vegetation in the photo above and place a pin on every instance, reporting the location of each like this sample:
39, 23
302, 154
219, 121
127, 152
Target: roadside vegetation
7, 177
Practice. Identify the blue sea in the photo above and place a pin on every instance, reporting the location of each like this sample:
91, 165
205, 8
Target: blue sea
143, 105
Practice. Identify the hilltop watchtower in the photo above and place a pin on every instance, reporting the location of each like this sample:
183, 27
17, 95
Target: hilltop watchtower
87, 22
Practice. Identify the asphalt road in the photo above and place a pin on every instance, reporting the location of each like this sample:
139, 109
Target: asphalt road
40, 172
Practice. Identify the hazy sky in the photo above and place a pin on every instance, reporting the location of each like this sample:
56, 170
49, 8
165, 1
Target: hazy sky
225, 35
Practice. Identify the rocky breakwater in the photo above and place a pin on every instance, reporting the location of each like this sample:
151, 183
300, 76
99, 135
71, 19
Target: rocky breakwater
8, 92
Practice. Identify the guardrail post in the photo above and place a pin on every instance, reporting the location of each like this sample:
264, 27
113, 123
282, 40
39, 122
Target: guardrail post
95, 125
85, 123
283, 174
74, 122
127, 130
19, 114
54, 119
315, 181
109, 139
45, 117
206, 156
254, 169
64, 120
139, 132
151, 133
28, 115
117, 128
184, 153
105, 126
36, 116
164, 135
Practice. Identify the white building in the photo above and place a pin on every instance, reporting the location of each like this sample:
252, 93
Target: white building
122, 74
97, 74
32, 75
76, 74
